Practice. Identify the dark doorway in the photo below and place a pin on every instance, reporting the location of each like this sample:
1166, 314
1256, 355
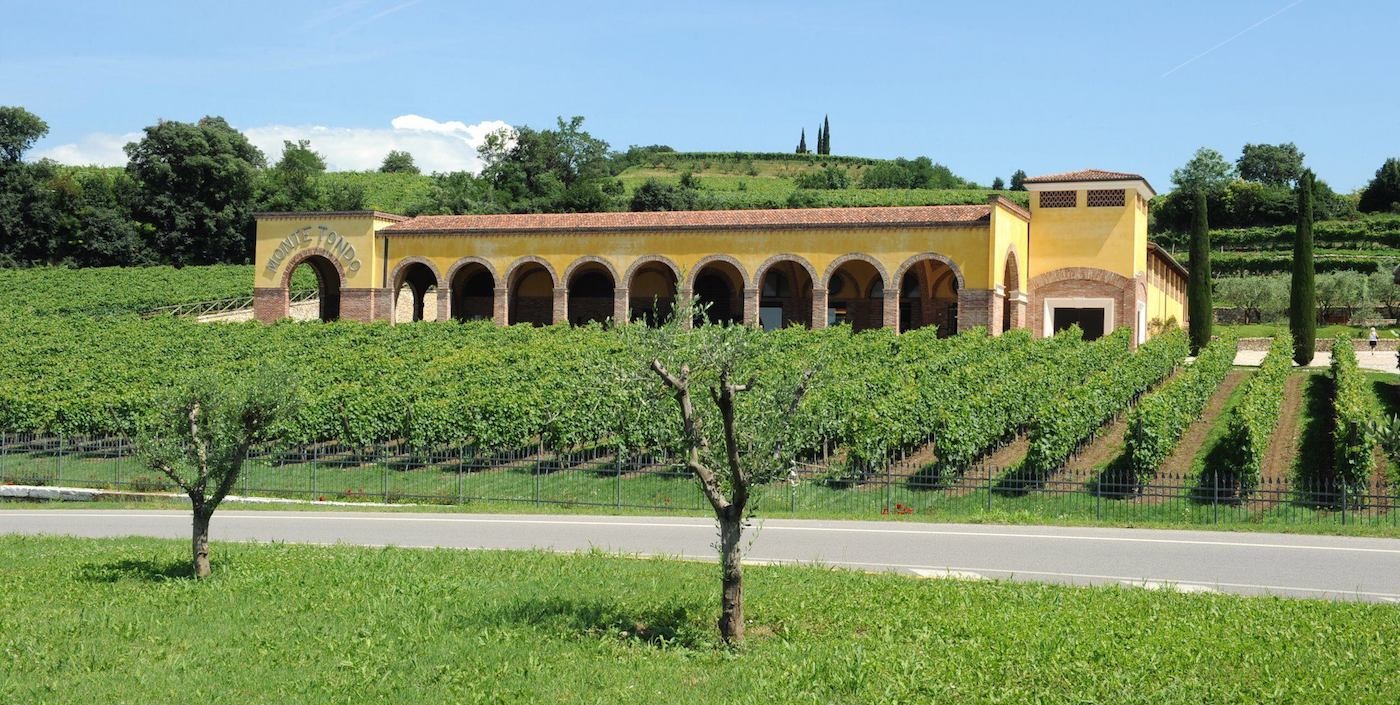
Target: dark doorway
1089, 320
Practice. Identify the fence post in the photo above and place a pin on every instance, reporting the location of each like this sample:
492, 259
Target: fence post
1215, 498
617, 483
1344, 503
384, 486
59, 465
461, 472
889, 490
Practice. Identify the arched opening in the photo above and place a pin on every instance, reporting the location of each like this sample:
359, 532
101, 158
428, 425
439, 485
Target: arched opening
652, 293
855, 295
1011, 283
785, 296
928, 296
328, 284
590, 295
719, 290
415, 294
532, 295
473, 293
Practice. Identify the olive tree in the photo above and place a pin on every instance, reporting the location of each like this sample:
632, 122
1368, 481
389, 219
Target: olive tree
201, 434
734, 405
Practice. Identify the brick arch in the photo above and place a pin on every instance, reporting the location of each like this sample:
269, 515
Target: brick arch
1093, 274
904, 268
585, 260
775, 259
396, 276
744, 281
651, 259
1013, 258
463, 262
301, 257
835, 265
530, 259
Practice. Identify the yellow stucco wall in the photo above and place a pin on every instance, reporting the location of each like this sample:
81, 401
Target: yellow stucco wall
1011, 231
1162, 307
1111, 238
280, 239
967, 247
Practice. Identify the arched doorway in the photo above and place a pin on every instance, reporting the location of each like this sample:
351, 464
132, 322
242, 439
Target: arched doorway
590, 294
1011, 306
531, 295
415, 293
855, 295
719, 290
473, 293
328, 285
928, 296
652, 293
785, 296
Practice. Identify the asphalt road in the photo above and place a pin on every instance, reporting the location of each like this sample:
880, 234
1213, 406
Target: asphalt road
1329, 567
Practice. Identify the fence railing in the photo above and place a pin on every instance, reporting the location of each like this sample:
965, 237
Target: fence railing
601, 479
203, 308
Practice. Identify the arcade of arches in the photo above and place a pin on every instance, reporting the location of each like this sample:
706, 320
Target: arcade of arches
901, 268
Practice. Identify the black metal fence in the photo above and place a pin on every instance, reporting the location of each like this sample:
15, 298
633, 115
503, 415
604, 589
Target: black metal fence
602, 480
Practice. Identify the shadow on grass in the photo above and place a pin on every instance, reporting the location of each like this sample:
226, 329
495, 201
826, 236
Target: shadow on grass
1117, 480
136, 569
1313, 468
666, 626
1389, 394
1218, 482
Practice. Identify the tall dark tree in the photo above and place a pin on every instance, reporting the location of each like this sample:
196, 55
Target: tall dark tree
998, 184
564, 170
1383, 193
27, 218
1018, 180
825, 147
195, 184
293, 183
802, 142
1302, 294
1201, 311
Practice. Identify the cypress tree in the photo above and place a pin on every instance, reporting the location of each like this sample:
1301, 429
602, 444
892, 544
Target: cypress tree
820, 139
826, 134
802, 143
1202, 312
1302, 297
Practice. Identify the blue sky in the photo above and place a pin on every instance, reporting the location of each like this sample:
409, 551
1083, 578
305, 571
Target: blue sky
985, 89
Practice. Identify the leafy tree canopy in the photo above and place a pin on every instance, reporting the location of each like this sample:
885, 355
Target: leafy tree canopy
19, 130
1271, 164
1207, 171
564, 170
656, 195
1383, 193
398, 162
1018, 180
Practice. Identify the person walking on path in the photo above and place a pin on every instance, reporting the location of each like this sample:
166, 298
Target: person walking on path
1372, 339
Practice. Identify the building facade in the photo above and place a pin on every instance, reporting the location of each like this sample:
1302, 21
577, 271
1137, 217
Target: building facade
1078, 255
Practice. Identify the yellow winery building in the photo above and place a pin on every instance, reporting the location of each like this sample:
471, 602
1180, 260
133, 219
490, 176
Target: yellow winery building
1079, 255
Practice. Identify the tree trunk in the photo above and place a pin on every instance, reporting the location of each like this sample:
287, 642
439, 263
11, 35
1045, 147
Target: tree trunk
731, 619
200, 544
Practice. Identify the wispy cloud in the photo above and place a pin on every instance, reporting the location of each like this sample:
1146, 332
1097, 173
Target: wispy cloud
435, 145
1233, 37
351, 27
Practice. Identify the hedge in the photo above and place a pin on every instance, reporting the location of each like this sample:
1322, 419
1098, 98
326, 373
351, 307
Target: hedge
1355, 414
1251, 423
1155, 425
1064, 425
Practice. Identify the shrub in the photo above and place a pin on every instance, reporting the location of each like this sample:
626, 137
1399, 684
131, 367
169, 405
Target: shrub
1064, 425
1155, 426
1356, 415
827, 178
1251, 422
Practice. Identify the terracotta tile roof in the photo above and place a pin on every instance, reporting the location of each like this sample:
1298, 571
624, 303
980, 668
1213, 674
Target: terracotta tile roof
377, 215
782, 218
1084, 175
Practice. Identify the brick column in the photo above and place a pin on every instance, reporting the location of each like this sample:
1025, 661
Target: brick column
819, 301
271, 305
359, 304
1019, 303
382, 303
444, 304
621, 304
751, 307
683, 300
500, 313
974, 308
994, 315
561, 305
891, 310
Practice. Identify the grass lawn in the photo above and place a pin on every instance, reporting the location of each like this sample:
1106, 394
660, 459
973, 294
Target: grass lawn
84, 621
1325, 334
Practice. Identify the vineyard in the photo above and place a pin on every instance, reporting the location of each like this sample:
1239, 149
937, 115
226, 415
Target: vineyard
118, 290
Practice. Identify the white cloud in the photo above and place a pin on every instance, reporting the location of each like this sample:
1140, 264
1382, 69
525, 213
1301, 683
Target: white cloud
98, 148
436, 146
